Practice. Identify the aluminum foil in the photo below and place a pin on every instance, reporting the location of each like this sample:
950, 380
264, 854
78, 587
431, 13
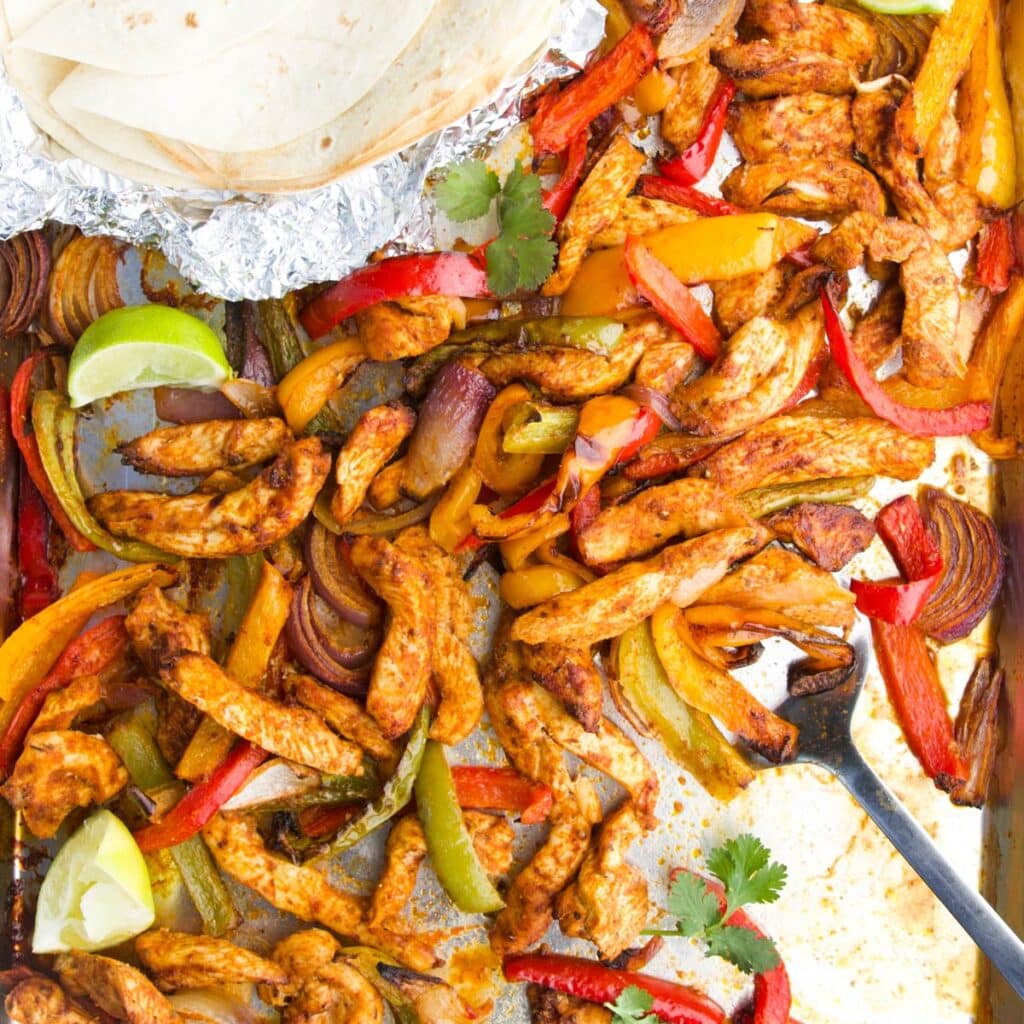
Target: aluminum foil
258, 246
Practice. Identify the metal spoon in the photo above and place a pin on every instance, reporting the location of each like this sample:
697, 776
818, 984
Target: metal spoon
825, 739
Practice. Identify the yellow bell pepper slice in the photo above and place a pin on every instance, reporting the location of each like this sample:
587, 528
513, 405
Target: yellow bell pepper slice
449, 522
517, 550
616, 24
305, 389
653, 92
502, 471
535, 584
601, 286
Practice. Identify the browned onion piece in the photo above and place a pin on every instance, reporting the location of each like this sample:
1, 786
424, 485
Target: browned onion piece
335, 582
977, 733
655, 401
346, 643
446, 428
252, 399
902, 40
192, 405
26, 263
973, 566
245, 349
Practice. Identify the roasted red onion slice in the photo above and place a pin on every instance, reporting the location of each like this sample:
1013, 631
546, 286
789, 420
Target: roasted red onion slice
655, 401
334, 580
253, 400
191, 405
25, 271
446, 429
347, 644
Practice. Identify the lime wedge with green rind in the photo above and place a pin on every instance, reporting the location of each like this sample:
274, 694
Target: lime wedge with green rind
144, 347
96, 892
907, 6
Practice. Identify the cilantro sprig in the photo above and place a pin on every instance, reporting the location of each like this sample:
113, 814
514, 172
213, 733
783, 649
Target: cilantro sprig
633, 1007
522, 255
744, 867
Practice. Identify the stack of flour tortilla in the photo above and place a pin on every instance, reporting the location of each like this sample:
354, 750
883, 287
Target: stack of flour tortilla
258, 95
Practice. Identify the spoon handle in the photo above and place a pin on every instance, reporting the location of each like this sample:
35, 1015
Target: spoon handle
994, 937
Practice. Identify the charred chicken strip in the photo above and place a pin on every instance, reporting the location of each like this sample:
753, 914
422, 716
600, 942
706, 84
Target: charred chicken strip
666, 365
301, 955
338, 992
195, 449
80, 699
641, 216
743, 298
401, 673
610, 605
160, 629
492, 837
687, 507
115, 987
303, 891
550, 1007
374, 441
762, 69
41, 1001
291, 732
177, 960
608, 902
829, 534
594, 208
409, 327
683, 116
569, 673
220, 525
814, 26
793, 448
807, 126
59, 771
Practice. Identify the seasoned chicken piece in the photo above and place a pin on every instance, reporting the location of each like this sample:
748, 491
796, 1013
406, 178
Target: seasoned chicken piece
803, 288
41, 1001
160, 628
178, 960
829, 534
594, 207
222, 481
409, 327
194, 449
815, 26
301, 890
657, 15
794, 448
639, 215
82, 698
743, 298
550, 1007
385, 489
781, 581
302, 955
346, 717
492, 837
177, 723
371, 445
666, 365
220, 525
763, 69
645, 522
608, 903
337, 994
610, 605
401, 673
683, 116
757, 375
929, 283
876, 339
434, 1000
573, 374
804, 187
115, 987
808, 126
570, 674
454, 668
59, 771
291, 732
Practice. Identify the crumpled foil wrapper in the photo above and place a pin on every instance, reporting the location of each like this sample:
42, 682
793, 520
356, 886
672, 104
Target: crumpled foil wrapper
254, 246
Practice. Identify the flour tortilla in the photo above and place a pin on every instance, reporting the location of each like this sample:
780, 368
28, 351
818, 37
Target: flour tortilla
141, 37
273, 88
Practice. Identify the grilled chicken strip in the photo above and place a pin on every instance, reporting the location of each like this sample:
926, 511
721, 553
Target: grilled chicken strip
194, 449
930, 287
793, 448
744, 298
762, 69
115, 987
401, 673
666, 365
594, 207
550, 1007
806, 187
608, 903
683, 116
814, 26
301, 955
303, 891
687, 507
641, 216
808, 126
219, 525
41, 1001
375, 439
569, 673
829, 534
59, 771
291, 732
178, 960
82, 698
160, 629
409, 327
876, 339
610, 605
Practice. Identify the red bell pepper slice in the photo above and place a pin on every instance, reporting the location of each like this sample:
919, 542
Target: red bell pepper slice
39, 586
532, 501
89, 654
432, 273
203, 800
589, 980
655, 187
671, 299
558, 121
914, 550
21, 397
966, 418
486, 788
920, 702
583, 513
317, 822
558, 198
694, 163
996, 255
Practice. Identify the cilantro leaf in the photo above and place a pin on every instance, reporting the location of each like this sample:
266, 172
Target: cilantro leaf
521, 208
467, 190
742, 866
751, 953
534, 260
695, 907
633, 1007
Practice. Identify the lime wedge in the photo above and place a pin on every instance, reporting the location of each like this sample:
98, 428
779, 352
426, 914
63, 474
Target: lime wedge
144, 347
96, 893
907, 6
